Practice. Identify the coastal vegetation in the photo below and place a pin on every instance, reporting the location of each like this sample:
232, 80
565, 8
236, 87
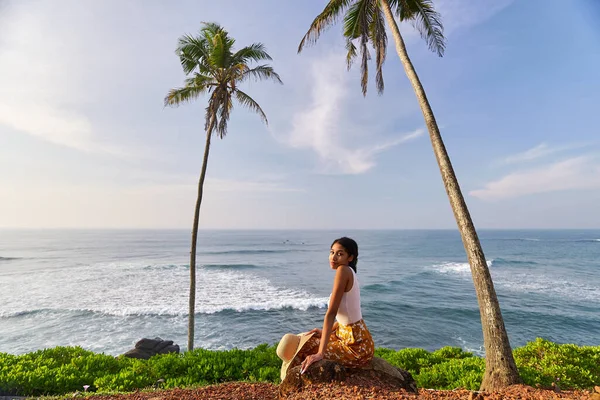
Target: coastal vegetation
63, 370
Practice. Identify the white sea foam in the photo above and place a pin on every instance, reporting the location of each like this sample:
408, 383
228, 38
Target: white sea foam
529, 282
551, 285
587, 240
478, 350
127, 290
456, 268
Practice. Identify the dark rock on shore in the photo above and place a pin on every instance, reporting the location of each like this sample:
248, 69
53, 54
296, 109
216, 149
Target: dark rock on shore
146, 348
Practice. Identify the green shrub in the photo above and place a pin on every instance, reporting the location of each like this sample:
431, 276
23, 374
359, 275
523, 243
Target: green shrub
414, 359
64, 370
445, 368
410, 359
448, 353
133, 374
539, 362
50, 371
570, 366
464, 373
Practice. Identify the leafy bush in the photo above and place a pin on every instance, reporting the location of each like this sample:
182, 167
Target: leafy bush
570, 366
63, 370
51, 371
455, 373
539, 362
411, 359
445, 368
132, 374
67, 369
414, 360
448, 353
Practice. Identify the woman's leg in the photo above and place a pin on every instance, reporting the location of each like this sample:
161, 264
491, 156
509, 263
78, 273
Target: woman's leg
310, 347
350, 345
353, 346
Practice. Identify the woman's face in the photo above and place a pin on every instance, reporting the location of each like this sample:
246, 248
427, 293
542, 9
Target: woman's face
339, 256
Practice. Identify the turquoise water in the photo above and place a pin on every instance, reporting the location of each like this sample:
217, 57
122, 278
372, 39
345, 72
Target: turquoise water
104, 290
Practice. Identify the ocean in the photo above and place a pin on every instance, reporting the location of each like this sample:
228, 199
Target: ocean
104, 290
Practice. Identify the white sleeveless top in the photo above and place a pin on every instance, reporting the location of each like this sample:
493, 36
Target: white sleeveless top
349, 310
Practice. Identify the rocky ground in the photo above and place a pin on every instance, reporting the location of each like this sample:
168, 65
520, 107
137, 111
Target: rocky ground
346, 390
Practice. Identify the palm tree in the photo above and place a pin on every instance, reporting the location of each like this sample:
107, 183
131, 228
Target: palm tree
213, 68
364, 23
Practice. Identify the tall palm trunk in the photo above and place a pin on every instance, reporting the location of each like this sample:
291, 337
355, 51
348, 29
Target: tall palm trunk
192, 306
500, 367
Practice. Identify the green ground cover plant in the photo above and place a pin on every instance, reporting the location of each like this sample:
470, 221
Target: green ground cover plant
62, 370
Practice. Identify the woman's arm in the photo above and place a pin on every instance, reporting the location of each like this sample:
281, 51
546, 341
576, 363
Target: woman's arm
319, 331
342, 275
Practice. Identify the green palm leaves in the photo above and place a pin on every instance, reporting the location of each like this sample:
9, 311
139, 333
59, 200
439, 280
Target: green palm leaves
214, 68
364, 23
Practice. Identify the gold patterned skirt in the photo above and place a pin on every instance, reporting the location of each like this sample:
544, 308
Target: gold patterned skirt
350, 345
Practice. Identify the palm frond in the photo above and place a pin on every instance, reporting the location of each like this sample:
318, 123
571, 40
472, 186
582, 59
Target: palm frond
190, 50
220, 53
211, 27
225, 107
351, 55
364, 65
254, 52
259, 73
379, 40
213, 67
328, 17
250, 104
427, 21
182, 95
213, 109
210, 30
197, 52
188, 64
201, 81
211, 115
219, 107
357, 24
358, 18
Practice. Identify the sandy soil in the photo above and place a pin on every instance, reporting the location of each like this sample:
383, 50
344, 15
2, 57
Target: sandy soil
347, 390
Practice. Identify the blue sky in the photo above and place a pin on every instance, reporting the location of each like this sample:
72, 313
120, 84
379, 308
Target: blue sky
85, 140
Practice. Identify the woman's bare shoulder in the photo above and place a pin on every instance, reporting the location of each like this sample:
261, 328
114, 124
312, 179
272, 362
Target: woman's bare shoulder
343, 272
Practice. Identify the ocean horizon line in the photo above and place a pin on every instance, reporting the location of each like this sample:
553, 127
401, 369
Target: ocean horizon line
133, 229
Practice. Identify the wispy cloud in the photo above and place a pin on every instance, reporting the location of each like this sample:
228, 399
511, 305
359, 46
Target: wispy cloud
326, 127
189, 182
571, 174
461, 14
364, 157
539, 151
165, 205
57, 125
40, 93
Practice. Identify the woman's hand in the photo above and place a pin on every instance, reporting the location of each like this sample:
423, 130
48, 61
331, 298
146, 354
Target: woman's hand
317, 332
309, 360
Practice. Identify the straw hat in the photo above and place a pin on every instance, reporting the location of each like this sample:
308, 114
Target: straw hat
288, 347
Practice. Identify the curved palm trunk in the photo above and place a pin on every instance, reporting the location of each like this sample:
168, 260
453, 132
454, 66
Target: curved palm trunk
192, 306
500, 367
